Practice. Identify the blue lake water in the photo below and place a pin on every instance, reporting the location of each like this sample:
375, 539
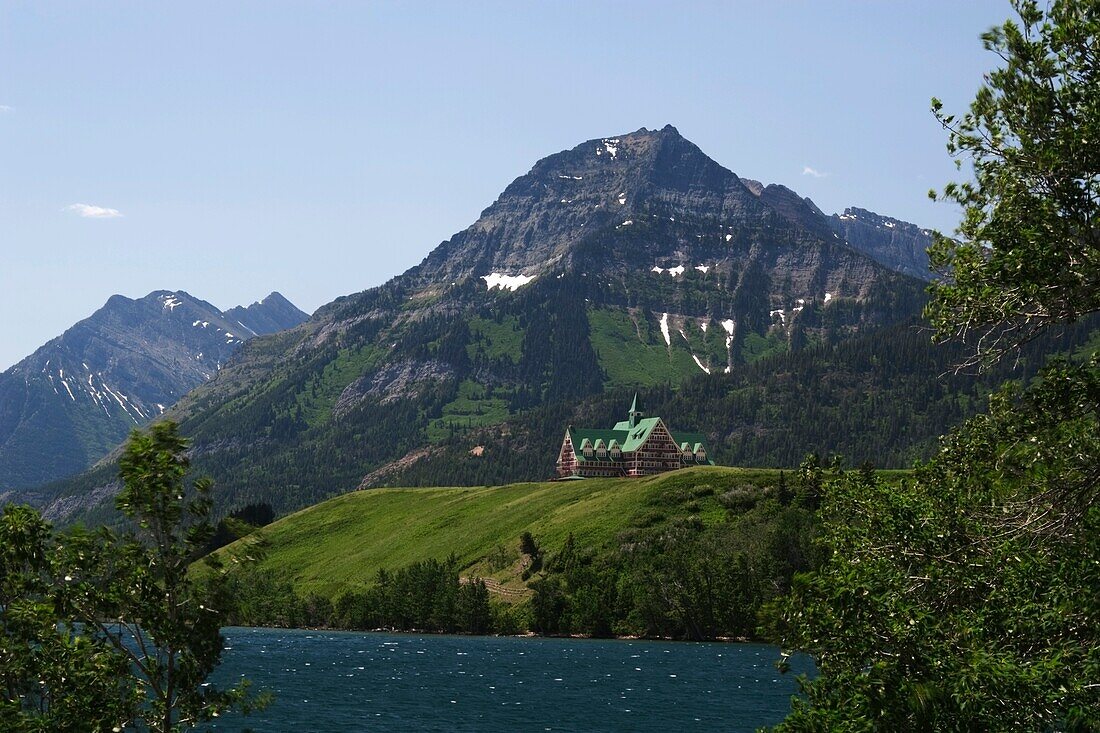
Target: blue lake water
337, 681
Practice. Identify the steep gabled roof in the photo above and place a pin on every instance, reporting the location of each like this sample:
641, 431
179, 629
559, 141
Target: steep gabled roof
628, 437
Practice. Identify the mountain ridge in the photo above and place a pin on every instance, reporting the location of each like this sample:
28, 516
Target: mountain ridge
78, 395
898, 244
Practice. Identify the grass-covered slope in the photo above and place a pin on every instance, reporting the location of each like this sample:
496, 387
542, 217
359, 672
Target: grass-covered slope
340, 544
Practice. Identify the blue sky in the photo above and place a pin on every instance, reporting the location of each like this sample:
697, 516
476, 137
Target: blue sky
234, 148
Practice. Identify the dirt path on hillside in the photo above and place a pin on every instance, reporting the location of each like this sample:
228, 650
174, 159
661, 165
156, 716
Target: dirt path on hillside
494, 586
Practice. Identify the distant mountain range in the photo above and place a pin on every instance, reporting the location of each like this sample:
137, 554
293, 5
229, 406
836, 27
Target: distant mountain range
77, 397
628, 261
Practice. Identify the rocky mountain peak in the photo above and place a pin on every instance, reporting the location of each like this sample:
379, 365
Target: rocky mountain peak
268, 315
79, 394
536, 225
798, 210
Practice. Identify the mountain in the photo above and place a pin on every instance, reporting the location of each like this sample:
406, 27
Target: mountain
884, 397
273, 313
626, 261
897, 244
76, 397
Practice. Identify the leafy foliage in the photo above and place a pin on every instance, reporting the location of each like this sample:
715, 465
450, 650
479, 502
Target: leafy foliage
1029, 256
107, 631
968, 598
53, 676
239, 523
683, 577
426, 595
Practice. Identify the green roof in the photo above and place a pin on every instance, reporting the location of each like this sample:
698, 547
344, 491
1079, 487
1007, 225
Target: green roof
629, 439
628, 434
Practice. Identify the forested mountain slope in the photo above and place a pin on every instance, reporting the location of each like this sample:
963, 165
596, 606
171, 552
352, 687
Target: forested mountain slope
627, 261
883, 398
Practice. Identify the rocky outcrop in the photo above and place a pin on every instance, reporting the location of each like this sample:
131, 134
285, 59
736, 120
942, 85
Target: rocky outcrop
273, 313
897, 244
541, 219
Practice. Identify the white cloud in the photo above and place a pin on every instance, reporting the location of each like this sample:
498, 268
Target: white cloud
808, 171
4, 109
89, 211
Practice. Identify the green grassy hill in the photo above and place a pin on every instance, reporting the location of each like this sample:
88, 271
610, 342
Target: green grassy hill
340, 544
696, 553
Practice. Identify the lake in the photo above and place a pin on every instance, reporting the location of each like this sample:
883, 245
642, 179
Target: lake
342, 681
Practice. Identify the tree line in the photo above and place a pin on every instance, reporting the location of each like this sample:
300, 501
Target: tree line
672, 574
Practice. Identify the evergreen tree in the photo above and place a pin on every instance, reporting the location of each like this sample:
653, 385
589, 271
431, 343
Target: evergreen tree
1028, 253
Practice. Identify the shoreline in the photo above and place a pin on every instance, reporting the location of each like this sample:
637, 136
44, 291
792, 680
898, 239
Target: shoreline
525, 635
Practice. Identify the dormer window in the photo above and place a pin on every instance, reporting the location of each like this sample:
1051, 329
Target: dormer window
601, 449
700, 453
616, 451
586, 448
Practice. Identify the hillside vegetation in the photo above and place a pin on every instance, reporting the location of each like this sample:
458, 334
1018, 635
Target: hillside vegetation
690, 554
342, 543
885, 397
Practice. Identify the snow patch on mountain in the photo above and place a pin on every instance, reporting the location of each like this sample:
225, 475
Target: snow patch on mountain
505, 282
610, 146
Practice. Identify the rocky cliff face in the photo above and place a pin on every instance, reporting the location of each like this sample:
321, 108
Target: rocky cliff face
649, 211
798, 210
629, 260
77, 396
542, 220
897, 244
